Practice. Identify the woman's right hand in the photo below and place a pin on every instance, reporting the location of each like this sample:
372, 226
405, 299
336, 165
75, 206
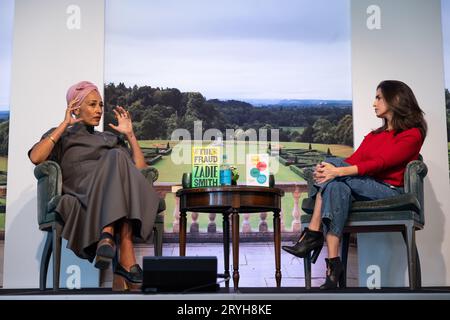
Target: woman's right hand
69, 119
325, 172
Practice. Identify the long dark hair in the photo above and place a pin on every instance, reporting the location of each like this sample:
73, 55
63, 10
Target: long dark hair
406, 111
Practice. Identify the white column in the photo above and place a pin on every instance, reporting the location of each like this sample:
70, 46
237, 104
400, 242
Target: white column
402, 39
56, 44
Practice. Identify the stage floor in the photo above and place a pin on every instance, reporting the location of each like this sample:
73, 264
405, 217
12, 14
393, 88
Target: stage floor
256, 264
246, 293
257, 280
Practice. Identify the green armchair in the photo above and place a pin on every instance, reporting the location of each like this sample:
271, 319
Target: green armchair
49, 190
403, 213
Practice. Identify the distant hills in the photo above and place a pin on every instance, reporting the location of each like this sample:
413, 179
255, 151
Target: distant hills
4, 115
297, 102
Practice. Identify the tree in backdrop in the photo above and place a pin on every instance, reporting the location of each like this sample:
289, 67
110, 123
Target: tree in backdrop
344, 131
324, 131
156, 112
307, 134
447, 108
4, 137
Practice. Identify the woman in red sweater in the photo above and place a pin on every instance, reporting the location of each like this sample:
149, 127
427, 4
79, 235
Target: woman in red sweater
374, 171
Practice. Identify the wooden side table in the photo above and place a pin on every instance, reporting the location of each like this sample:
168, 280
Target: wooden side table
233, 200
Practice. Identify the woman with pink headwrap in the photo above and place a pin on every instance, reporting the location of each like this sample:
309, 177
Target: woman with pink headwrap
104, 193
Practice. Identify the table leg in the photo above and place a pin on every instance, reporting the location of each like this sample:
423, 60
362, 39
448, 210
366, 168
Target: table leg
226, 247
277, 242
182, 233
235, 231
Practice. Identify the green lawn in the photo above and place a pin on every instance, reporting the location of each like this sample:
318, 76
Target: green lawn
171, 172
3, 163
335, 149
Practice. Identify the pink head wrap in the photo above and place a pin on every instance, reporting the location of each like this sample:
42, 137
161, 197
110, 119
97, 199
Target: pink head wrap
80, 90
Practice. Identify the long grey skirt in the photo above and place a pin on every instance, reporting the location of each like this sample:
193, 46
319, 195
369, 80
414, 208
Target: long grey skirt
114, 189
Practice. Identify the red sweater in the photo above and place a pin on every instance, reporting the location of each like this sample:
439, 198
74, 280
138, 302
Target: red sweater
384, 156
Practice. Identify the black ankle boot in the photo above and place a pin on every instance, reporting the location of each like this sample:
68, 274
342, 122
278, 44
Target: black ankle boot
335, 274
309, 241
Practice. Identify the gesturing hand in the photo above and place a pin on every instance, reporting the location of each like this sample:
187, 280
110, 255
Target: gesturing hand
68, 118
124, 126
324, 172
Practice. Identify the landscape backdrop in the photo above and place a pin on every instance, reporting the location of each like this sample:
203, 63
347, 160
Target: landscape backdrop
242, 65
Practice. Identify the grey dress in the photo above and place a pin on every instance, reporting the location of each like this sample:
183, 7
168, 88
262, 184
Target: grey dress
101, 185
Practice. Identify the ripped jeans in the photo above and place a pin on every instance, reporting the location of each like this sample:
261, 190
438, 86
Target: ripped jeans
338, 194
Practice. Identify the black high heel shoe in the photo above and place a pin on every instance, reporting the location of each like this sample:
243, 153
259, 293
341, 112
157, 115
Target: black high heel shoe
335, 274
309, 241
124, 280
106, 250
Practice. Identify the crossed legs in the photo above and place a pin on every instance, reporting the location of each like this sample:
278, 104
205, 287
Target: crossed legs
315, 224
127, 257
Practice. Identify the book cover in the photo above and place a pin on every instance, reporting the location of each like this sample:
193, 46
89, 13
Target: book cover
257, 167
205, 166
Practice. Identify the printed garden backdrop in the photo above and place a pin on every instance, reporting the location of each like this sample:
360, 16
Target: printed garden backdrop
239, 65
242, 65
6, 26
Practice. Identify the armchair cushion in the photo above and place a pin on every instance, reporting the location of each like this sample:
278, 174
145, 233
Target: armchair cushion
49, 191
401, 202
390, 208
373, 216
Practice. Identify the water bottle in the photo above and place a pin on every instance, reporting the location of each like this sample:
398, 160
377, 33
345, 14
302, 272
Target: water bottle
225, 172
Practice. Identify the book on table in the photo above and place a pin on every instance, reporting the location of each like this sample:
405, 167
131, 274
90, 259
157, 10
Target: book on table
206, 162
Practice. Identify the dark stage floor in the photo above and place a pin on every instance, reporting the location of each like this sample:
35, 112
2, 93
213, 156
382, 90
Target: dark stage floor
289, 293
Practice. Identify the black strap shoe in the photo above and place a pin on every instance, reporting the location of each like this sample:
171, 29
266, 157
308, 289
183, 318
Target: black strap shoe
106, 250
309, 241
135, 274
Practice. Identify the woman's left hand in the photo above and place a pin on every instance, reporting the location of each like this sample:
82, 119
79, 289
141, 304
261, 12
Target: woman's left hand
125, 125
325, 172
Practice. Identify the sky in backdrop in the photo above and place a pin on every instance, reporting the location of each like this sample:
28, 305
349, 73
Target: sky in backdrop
446, 35
253, 49
6, 28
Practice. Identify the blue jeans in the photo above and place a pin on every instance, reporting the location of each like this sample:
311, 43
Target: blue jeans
338, 194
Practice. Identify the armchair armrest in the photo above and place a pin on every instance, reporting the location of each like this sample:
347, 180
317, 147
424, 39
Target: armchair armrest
49, 188
308, 176
415, 172
150, 173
